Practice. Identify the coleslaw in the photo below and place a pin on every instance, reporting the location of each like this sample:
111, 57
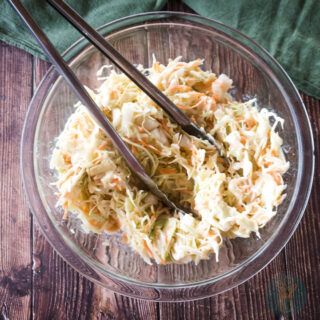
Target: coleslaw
230, 200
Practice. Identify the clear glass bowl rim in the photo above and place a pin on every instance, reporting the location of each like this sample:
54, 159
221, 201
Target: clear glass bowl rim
162, 293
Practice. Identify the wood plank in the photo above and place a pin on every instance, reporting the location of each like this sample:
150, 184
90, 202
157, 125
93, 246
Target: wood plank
248, 300
303, 250
59, 291
15, 226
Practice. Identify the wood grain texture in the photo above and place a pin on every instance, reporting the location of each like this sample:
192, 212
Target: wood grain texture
59, 292
53, 290
15, 257
248, 300
244, 302
303, 250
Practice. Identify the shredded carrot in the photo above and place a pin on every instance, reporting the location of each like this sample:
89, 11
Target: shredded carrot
193, 119
113, 94
66, 178
185, 107
65, 205
66, 158
65, 215
274, 153
124, 238
164, 125
85, 210
179, 88
196, 94
219, 83
156, 66
150, 223
141, 130
240, 208
96, 160
166, 170
103, 145
162, 262
243, 140
276, 177
192, 80
76, 123
87, 118
117, 183
152, 148
213, 105
115, 180
198, 104
280, 200
134, 150
147, 248
187, 191
96, 224
113, 226
251, 123
194, 149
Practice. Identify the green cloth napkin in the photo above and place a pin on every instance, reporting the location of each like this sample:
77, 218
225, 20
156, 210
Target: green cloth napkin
288, 29
58, 30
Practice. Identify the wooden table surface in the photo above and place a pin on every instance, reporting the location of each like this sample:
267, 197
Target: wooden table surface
35, 283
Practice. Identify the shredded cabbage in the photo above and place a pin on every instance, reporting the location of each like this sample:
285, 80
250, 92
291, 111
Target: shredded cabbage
95, 183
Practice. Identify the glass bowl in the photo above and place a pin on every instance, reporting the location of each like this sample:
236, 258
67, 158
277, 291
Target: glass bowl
255, 74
